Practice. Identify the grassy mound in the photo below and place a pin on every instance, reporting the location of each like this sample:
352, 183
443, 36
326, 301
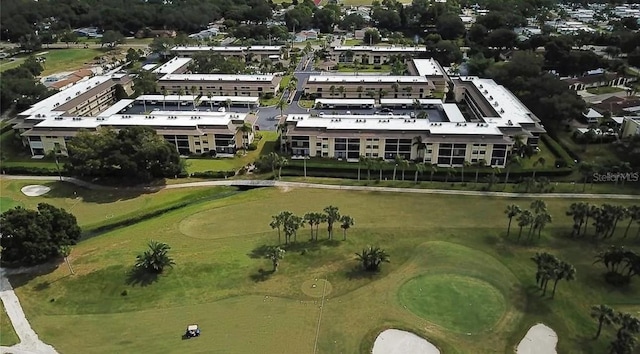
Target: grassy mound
458, 303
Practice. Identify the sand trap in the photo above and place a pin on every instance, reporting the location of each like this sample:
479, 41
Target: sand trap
395, 341
35, 190
539, 340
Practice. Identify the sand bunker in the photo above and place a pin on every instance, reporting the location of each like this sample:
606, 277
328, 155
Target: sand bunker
35, 190
539, 340
395, 341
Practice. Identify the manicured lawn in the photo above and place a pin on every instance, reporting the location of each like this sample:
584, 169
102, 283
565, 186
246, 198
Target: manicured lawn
8, 336
95, 208
265, 146
604, 90
6, 64
270, 102
545, 154
68, 59
15, 155
353, 42
594, 153
221, 281
306, 103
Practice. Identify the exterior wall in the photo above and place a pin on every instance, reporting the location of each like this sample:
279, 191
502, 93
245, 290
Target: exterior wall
361, 89
221, 88
96, 104
630, 127
369, 57
437, 153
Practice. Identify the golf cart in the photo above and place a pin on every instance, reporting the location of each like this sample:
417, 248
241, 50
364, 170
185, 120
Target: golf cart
192, 331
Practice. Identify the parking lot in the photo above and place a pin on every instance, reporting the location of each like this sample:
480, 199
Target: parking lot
140, 108
433, 114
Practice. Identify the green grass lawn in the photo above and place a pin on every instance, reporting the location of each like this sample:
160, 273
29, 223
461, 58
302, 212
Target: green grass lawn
265, 145
604, 90
15, 155
369, 68
221, 282
353, 42
58, 60
8, 336
595, 153
270, 101
306, 103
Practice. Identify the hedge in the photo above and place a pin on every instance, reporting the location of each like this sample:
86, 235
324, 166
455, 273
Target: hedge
213, 174
30, 171
558, 150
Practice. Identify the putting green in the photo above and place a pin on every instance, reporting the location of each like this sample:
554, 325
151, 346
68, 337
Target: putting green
458, 303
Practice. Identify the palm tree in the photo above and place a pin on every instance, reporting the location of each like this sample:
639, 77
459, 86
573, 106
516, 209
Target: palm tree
356, 66
341, 90
564, 271
210, 96
450, 172
395, 86
513, 159
511, 211
397, 161
434, 169
65, 251
605, 315
371, 258
244, 130
524, 219
633, 212
369, 164
228, 103
420, 146
280, 163
277, 221
586, 170
332, 89
193, 90
540, 161
382, 93
155, 259
275, 254
345, 223
464, 164
479, 165
380, 162
333, 215
164, 99
540, 221
180, 93
404, 164
420, 168
282, 105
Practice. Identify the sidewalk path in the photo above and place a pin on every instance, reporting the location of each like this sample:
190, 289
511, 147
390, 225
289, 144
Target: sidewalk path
29, 341
270, 183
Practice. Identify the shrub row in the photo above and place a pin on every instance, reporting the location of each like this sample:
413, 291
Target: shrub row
559, 151
5, 128
30, 171
213, 174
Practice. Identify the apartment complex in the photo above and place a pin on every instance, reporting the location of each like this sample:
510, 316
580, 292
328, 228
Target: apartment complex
189, 132
254, 53
86, 98
432, 70
484, 131
488, 102
630, 126
348, 137
366, 86
176, 65
374, 54
220, 85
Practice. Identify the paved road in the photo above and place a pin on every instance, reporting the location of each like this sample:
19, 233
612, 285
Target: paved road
283, 184
29, 341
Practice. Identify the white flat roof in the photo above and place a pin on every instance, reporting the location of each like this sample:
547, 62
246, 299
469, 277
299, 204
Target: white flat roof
506, 105
156, 119
592, 113
116, 107
367, 78
216, 77
392, 123
227, 48
204, 98
368, 48
172, 65
51, 103
409, 101
348, 101
149, 66
427, 67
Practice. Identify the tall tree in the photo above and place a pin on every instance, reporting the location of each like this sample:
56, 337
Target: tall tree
332, 214
345, 223
372, 257
511, 211
605, 316
275, 254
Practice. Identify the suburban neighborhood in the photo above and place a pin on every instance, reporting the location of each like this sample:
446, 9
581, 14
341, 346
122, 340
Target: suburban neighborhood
320, 176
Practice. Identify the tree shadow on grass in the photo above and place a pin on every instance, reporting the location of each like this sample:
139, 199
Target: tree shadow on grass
301, 247
535, 303
100, 196
261, 275
22, 276
359, 273
141, 277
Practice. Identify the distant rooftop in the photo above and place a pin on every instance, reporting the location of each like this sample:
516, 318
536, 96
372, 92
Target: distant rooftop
172, 65
379, 48
367, 78
216, 77
427, 67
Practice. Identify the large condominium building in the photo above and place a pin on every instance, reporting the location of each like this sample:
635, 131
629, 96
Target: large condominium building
190, 132
630, 126
348, 137
432, 70
373, 54
86, 98
366, 86
491, 103
220, 85
252, 53
176, 65
485, 132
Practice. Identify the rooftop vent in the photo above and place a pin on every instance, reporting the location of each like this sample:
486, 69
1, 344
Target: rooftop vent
58, 118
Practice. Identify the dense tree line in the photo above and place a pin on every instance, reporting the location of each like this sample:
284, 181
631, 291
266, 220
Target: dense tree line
18, 17
20, 87
135, 154
31, 237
